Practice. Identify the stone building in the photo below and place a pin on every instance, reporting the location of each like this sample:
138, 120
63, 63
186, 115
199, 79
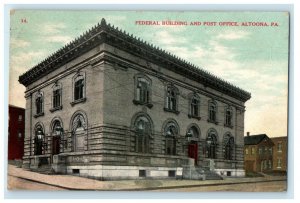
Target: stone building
111, 106
280, 153
258, 153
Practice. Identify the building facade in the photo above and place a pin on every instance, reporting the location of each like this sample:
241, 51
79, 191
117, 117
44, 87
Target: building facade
111, 106
258, 153
280, 153
16, 128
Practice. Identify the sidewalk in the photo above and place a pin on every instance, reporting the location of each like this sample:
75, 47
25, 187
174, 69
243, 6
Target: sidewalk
79, 183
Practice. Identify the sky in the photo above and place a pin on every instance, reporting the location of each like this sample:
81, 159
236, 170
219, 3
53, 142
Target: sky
254, 58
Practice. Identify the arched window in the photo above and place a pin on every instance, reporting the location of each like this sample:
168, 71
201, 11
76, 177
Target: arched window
57, 128
39, 140
171, 131
172, 99
228, 147
143, 131
56, 97
194, 106
39, 103
193, 132
142, 90
79, 126
211, 144
228, 117
212, 111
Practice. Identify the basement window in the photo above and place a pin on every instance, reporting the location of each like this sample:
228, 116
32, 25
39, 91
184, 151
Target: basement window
228, 173
75, 171
142, 173
172, 173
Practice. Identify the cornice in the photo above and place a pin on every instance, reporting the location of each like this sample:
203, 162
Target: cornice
106, 33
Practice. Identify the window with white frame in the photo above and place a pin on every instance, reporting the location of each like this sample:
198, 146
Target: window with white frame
279, 163
279, 147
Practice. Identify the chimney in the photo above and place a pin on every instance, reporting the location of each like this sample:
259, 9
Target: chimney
248, 133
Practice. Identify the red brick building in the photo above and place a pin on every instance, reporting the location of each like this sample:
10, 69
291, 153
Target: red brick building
280, 153
16, 126
258, 153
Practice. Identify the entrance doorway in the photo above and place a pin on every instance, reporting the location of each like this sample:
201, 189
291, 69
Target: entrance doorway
193, 152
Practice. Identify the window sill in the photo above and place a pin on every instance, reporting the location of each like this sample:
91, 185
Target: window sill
211, 121
136, 102
172, 111
228, 126
82, 100
38, 115
56, 108
196, 117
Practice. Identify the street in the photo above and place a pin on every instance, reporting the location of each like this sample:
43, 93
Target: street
20, 179
274, 186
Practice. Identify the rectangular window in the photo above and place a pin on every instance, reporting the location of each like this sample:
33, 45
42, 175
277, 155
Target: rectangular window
56, 98
171, 173
39, 105
269, 164
20, 118
212, 113
142, 92
260, 150
278, 163
78, 91
279, 147
142, 173
75, 171
246, 151
252, 150
19, 135
228, 117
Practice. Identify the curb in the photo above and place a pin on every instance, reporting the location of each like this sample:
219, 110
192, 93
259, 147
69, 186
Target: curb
148, 188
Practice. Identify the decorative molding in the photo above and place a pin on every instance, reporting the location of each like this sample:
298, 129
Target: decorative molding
172, 111
136, 102
105, 33
38, 115
56, 108
196, 117
78, 101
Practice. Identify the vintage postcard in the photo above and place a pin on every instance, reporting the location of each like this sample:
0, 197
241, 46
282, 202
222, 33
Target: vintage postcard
148, 100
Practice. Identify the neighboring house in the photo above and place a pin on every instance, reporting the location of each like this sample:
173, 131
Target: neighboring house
258, 153
280, 153
16, 125
111, 106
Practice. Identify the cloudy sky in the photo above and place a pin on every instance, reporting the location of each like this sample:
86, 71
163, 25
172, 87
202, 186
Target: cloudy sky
254, 58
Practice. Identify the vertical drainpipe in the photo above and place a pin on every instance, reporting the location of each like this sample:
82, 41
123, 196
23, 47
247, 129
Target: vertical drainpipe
30, 124
235, 134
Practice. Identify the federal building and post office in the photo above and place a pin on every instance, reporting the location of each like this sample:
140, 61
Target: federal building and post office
110, 106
